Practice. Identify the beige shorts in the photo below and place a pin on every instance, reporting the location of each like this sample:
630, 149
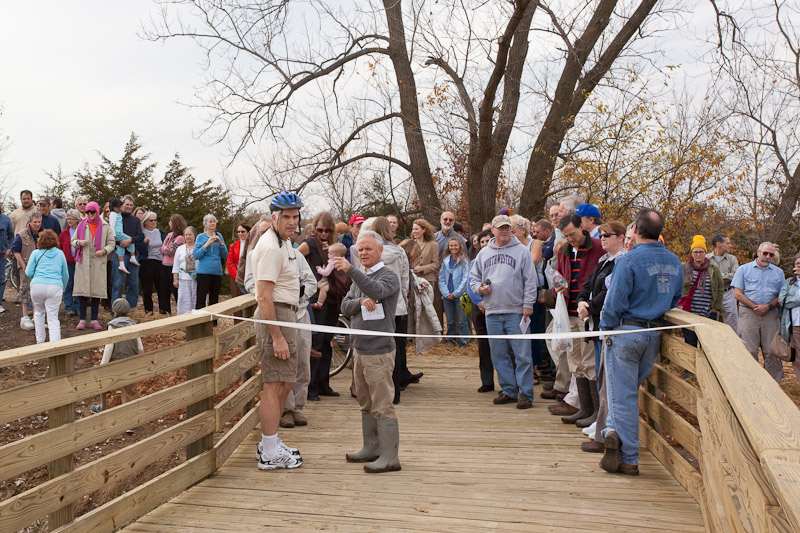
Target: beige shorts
274, 370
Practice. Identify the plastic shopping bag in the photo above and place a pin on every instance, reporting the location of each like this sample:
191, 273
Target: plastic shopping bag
559, 324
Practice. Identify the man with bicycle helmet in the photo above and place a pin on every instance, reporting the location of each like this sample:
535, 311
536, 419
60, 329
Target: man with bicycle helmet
277, 283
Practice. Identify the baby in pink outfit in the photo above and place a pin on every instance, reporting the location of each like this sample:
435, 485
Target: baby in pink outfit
336, 249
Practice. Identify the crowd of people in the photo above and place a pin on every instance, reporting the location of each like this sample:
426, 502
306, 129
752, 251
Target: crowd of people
501, 280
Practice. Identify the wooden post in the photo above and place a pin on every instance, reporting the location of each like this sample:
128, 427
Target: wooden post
194, 371
59, 366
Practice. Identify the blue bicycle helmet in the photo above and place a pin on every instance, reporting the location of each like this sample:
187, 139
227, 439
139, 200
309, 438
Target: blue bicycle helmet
285, 200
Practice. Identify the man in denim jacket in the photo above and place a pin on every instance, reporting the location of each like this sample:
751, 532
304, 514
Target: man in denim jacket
647, 283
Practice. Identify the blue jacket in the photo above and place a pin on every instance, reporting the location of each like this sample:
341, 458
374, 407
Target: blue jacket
6, 233
51, 222
647, 282
210, 260
48, 267
460, 276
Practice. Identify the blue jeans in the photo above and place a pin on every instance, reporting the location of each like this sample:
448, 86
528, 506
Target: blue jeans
511, 358
629, 360
456, 320
70, 303
120, 279
2, 276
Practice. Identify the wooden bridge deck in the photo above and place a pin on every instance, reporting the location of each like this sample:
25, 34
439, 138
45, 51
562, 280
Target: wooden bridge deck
468, 465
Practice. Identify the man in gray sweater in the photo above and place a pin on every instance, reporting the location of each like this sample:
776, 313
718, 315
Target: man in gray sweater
370, 304
503, 274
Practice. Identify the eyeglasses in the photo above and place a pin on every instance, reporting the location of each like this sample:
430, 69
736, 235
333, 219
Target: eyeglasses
768, 254
608, 235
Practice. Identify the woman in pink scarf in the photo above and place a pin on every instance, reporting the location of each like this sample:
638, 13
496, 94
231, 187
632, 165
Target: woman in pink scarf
93, 241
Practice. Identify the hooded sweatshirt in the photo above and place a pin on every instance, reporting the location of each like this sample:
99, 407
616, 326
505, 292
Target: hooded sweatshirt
511, 272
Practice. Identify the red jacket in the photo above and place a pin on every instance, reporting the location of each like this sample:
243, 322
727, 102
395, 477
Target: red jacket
232, 263
65, 243
593, 254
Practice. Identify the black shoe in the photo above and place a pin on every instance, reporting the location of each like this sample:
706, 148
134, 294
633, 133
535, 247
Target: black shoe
486, 388
329, 392
416, 377
502, 398
313, 397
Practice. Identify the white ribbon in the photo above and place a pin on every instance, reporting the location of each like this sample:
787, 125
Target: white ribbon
518, 336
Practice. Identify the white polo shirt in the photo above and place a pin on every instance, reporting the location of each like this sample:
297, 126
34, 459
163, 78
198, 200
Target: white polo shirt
276, 262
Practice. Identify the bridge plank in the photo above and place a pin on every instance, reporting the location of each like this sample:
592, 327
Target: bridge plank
678, 352
33, 451
671, 423
233, 336
234, 402
106, 472
233, 370
674, 387
229, 442
30, 399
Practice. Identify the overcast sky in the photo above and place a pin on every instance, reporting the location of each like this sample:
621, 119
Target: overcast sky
76, 79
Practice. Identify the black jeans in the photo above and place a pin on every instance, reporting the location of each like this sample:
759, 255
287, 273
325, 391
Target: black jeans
484, 353
321, 366
401, 374
168, 290
85, 301
150, 276
208, 286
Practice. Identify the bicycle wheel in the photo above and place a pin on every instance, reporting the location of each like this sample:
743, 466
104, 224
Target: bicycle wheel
342, 349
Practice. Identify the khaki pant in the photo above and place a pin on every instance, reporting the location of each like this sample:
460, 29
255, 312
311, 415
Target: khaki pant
372, 383
756, 333
274, 370
581, 358
296, 399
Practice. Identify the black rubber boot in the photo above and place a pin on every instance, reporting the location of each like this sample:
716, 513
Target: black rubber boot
585, 399
589, 420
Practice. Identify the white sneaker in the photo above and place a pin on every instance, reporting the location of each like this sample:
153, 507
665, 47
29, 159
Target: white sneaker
2, 309
283, 459
26, 323
123, 269
293, 451
589, 431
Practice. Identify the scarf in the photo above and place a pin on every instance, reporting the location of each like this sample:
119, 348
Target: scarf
685, 302
83, 225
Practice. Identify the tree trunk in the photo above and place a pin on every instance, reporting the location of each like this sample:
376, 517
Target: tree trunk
409, 107
486, 155
780, 221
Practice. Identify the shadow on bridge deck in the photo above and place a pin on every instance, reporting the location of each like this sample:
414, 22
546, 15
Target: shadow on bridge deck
468, 465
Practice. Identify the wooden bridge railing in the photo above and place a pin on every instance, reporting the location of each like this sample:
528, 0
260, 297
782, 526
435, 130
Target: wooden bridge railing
711, 415
724, 429
209, 400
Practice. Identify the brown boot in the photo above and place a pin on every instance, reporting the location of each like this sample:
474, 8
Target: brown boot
629, 470
562, 409
549, 394
585, 399
593, 447
287, 420
612, 457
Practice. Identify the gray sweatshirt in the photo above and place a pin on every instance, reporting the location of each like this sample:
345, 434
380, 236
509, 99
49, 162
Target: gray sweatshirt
512, 274
383, 286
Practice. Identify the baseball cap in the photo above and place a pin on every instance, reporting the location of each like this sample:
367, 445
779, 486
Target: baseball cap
356, 219
500, 221
588, 210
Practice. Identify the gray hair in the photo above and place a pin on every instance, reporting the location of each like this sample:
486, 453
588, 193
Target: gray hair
128, 197
149, 215
765, 244
74, 213
207, 219
190, 228
521, 222
369, 234
36, 214
81, 198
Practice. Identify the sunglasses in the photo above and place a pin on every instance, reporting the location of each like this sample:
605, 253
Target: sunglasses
92, 212
608, 235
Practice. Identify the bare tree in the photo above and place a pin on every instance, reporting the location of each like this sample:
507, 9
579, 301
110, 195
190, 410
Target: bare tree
759, 54
577, 81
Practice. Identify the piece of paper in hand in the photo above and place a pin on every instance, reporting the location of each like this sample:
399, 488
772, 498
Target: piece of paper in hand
524, 323
377, 314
